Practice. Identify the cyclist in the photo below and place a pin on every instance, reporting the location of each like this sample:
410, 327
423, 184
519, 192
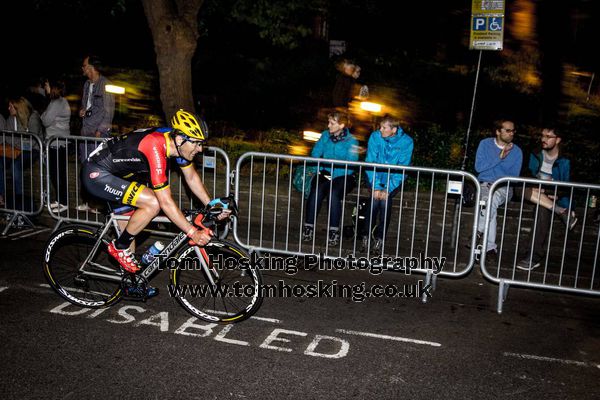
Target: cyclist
114, 170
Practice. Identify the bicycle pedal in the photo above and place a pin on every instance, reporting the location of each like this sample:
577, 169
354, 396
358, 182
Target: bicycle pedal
134, 294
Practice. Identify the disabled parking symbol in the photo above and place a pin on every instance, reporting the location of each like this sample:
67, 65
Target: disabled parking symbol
495, 24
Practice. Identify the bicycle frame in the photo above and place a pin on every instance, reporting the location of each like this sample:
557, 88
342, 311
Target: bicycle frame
176, 242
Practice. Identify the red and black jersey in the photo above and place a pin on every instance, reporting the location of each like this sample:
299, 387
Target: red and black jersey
141, 153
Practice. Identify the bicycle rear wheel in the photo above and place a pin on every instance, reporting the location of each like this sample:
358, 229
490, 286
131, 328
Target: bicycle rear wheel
95, 284
228, 293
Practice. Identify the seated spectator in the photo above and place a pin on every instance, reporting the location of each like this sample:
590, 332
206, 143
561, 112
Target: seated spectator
388, 145
547, 164
336, 142
497, 157
56, 120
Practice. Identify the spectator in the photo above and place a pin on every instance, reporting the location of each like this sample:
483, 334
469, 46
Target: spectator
2, 158
56, 119
388, 145
497, 157
361, 91
36, 95
338, 143
97, 110
344, 85
97, 105
22, 118
547, 164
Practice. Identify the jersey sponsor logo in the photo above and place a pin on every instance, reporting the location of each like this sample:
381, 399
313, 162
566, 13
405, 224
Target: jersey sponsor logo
100, 147
133, 193
133, 159
94, 175
157, 157
112, 190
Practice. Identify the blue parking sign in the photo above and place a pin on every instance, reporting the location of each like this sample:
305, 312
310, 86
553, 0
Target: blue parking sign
479, 23
494, 24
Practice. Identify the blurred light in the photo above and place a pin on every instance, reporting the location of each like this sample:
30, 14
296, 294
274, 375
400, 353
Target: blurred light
115, 89
298, 150
371, 107
311, 136
582, 73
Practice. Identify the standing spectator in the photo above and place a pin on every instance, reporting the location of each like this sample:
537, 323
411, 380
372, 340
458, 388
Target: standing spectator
36, 95
361, 91
97, 105
57, 119
336, 142
547, 164
497, 157
2, 158
388, 145
22, 118
344, 85
97, 110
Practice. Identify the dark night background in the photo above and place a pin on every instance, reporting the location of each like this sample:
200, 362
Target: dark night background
415, 59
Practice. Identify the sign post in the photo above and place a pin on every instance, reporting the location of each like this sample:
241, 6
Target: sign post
487, 33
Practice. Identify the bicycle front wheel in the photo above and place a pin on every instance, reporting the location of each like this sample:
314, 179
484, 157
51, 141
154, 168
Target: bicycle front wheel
93, 283
215, 283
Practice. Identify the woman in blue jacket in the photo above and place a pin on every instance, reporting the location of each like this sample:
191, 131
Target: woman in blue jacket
388, 145
333, 180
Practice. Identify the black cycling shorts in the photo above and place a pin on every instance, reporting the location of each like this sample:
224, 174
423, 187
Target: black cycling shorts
104, 185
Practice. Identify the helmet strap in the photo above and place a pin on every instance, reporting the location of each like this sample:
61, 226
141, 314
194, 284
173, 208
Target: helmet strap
177, 146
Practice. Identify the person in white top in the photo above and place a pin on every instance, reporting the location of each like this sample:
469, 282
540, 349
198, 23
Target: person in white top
22, 119
56, 119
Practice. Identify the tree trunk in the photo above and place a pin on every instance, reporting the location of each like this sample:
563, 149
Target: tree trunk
174, 27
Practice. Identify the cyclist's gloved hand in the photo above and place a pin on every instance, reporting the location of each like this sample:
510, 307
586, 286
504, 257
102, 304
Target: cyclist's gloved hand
224, 204
200, 237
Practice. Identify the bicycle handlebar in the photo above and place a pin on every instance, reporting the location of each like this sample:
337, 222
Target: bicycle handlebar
207, 216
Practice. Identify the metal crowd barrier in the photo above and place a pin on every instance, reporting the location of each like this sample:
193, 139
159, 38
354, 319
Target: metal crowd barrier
21, 182
66, 196
427, 219
569, 258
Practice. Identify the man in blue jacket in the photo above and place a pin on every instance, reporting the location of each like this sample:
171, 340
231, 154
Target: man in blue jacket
388, 145
547, 164
497, 157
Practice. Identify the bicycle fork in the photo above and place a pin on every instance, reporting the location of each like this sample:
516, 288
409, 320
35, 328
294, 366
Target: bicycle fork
210, 272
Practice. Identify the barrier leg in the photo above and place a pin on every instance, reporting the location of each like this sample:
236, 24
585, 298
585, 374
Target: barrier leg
10, 221
502, 293
429, 278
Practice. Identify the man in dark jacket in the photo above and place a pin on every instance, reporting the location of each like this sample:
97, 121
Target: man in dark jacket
548, 164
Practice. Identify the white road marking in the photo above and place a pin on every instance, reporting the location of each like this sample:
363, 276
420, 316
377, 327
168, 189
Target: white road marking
264, 319
387, 337
273, 320
2, 289
550, 359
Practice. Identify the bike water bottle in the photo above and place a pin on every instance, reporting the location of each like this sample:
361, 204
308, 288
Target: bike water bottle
152, 251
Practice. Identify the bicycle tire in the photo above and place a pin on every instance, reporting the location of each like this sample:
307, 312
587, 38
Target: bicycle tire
199, 301
64, 253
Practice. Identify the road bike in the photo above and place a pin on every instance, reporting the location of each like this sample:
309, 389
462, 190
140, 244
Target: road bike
215, 283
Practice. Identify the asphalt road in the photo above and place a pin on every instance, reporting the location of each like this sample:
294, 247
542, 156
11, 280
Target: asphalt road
545, 345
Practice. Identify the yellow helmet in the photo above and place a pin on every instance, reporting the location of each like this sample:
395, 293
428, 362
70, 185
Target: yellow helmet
189, 125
